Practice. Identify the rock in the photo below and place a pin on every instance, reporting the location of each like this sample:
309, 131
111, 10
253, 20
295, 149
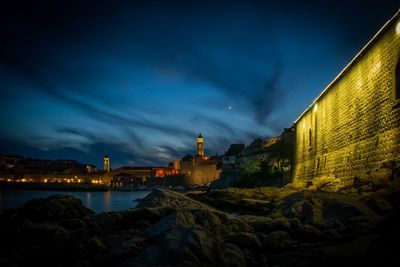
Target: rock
254, 205
258, 223
170, 199
306, 233
243, 200
383, 202
176, 219
381, 178
143, 217
245, 240
332, 223
378, 204
192, 236
326, 184
331, 235
107, 222
233, 256
294, 222
124, 243
73, 224
277, 240
55, 207
313, 207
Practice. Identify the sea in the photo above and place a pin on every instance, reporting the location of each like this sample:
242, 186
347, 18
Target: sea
96, 201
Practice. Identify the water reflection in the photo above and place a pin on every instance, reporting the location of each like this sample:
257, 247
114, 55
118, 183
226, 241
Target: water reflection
96, 201
107, 201
88, 200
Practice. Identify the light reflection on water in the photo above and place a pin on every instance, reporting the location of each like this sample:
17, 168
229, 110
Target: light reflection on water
96, 201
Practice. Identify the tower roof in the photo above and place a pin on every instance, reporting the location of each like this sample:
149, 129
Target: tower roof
199, 136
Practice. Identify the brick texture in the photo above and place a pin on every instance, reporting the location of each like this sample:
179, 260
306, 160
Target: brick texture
354, 126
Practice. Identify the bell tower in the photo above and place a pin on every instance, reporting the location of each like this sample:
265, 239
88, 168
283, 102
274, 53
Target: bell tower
106, 162
200, 147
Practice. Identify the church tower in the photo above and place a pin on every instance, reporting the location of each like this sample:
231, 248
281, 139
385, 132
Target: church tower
200, 147
106, 162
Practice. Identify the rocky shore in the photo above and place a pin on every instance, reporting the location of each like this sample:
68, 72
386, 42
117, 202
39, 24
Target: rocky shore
232, 227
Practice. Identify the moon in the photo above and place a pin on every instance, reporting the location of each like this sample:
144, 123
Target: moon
230, 107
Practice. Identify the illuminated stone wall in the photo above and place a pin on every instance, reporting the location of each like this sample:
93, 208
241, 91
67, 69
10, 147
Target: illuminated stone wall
203, 174
353, 127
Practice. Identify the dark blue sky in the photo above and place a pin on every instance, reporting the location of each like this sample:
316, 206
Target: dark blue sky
139, 81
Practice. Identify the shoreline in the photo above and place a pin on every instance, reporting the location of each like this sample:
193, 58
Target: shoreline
54, 186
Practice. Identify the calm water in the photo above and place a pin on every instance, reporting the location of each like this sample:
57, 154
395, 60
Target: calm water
96, 201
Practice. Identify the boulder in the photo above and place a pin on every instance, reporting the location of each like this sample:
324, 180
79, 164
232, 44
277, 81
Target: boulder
233, 256
277, 240
169, 199
306, 233
258, 223
245, 241
55, 207
313, 207
142, 218
331, 235
191, 237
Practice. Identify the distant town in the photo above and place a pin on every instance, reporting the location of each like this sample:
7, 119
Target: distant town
189, 172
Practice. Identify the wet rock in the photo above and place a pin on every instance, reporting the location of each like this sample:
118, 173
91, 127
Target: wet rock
55, 207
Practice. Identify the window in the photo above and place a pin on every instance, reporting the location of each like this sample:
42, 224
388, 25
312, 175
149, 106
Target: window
310, 137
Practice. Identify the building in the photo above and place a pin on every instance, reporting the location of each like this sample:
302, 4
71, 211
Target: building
353, 127
133, 177
198, 169
9, 161
200, 146
106, 164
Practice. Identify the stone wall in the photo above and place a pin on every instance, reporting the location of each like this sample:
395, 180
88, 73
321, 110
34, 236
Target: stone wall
202, 174
353, 127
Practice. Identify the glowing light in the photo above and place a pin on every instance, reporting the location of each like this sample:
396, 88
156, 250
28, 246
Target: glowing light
304, 125
315, 107
398, 28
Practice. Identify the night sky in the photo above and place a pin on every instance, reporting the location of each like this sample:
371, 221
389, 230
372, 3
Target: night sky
139, 81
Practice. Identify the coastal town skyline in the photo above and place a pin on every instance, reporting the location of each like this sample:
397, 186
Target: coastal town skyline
140, 81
